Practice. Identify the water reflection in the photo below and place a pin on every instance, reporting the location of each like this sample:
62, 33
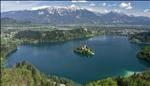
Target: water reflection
147, 64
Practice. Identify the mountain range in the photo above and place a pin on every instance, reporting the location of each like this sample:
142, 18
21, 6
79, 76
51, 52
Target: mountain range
72, 15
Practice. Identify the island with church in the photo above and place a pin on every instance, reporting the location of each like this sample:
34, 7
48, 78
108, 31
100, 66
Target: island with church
84, 50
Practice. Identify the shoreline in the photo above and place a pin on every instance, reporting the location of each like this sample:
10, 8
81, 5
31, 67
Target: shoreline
146, 43
130, 73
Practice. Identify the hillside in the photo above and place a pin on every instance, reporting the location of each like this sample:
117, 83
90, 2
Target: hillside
144, 54
24, 74
143, 37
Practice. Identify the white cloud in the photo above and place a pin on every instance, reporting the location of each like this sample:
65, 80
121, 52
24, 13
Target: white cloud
73, 5
17, 2
90, 9
136, 13
40, 7
126, 5
99, 10
92, 4
146, 10
123, 5
105, 11
77, 16
116, 10
104, 4
74, 1
17, 5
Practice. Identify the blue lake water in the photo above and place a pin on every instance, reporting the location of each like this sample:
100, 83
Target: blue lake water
114, 56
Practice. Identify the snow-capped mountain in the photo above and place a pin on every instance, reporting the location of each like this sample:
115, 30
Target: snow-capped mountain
73, 15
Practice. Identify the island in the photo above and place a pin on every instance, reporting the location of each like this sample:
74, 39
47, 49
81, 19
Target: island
84, 50
144, 54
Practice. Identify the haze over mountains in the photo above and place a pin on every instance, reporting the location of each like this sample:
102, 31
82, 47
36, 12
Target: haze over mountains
72, 15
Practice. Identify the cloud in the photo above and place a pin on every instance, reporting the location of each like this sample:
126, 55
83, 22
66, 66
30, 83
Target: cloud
116, 10
126, 5
106, 11
90, 9
77, 17
139, 13
92, 4
99, 10
17, 5
82, 1
103, 11
73, 5
104, 4
18, 2
146, 10
40, 7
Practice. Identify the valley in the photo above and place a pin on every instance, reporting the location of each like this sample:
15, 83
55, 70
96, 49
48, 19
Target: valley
75, 43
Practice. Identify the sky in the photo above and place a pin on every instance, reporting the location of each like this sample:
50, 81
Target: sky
137, 8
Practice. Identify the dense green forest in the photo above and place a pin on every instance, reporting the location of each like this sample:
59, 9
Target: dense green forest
143, 37
144, 54
29, 36
141, 79
24, 74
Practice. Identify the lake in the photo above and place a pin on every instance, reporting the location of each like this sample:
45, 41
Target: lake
114, 56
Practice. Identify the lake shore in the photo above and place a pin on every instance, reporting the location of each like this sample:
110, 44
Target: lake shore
129, 73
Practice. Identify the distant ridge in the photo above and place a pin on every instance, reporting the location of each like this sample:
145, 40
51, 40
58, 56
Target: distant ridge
73, 15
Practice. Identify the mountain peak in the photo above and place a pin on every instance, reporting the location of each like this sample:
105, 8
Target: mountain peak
73, 15
72, 7
114, 13
59, 9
